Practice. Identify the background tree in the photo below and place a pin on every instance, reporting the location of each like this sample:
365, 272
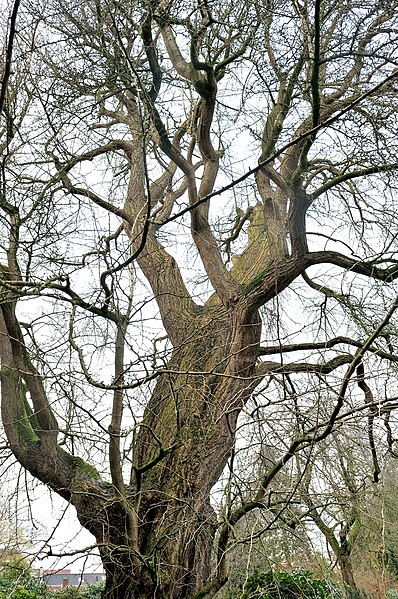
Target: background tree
140, 113
16, 579
373, 555
336, 500
331, 485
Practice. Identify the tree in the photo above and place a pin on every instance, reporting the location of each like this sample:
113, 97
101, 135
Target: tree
342, 499
137, 122
375, 549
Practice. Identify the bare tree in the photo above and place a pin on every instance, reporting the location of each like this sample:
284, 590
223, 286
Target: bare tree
330, 483
141, 118
335, 502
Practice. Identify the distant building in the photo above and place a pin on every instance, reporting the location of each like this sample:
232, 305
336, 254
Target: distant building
59, 579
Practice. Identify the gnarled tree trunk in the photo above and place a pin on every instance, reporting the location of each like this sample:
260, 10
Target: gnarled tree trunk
195, 407
146, 81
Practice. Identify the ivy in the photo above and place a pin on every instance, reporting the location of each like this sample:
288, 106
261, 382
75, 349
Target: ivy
16, 582
298, 584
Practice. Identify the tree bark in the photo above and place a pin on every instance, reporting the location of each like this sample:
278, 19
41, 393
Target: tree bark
196, 407
345, 561
347, 573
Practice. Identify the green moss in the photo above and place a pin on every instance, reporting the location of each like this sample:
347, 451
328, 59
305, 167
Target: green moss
257, 280
26, 421
355, 530
203, 88
83, 467
25, 430
31, 416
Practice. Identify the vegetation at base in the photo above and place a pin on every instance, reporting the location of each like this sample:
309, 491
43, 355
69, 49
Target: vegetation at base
290, 585
16, 582
93, 591
360, 594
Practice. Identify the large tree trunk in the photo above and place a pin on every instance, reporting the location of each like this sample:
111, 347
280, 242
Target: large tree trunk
156, 533
158, 540
194, 407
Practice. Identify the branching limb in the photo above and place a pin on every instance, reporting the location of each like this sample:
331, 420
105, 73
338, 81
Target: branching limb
304, 440
326, 122
9, 50
26, 370
264, 368
329, 344
372, 170
372, 413
117, 410
366, 268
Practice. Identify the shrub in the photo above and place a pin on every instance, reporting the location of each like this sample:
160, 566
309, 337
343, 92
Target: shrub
298, 584
94, 591
16, 582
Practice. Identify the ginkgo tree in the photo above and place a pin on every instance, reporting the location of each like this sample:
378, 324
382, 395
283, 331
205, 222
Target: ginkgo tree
189, 188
